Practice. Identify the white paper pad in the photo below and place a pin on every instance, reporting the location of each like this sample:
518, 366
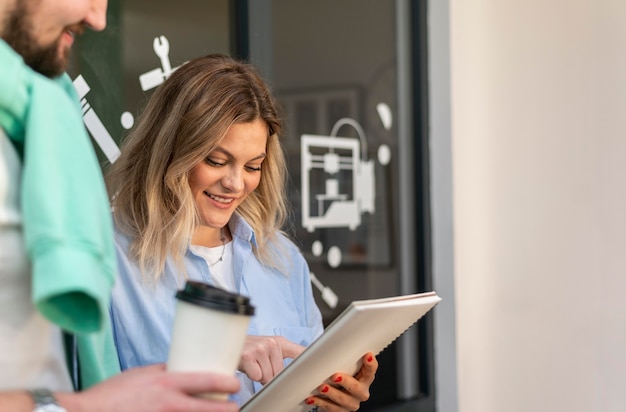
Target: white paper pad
364, 326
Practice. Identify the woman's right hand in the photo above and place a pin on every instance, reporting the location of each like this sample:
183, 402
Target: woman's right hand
262, 356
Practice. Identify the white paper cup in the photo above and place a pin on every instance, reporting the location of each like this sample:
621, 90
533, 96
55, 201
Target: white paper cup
209, 330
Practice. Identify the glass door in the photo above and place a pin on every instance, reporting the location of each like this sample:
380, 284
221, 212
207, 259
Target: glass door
344, 74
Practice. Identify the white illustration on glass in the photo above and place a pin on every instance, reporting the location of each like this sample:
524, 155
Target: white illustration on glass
338, 183
155, 77
147, 80
325, 157
328, 296
93, 122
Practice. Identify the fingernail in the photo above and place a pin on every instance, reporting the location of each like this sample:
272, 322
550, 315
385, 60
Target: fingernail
309, 401
325, 389
370, 358
337, 379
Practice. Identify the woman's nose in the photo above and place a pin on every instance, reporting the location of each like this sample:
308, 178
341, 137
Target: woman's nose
233, 180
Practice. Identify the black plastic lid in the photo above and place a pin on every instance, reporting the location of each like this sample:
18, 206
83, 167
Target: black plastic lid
209, 296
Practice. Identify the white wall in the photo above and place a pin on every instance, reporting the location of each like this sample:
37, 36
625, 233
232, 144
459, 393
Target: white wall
538, 115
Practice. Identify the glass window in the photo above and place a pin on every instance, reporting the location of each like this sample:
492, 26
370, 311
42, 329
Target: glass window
334, 66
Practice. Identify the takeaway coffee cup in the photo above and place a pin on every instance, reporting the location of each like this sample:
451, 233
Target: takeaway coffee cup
209, 330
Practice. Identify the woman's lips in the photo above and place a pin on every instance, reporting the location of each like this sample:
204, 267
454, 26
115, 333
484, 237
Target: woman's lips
219, 199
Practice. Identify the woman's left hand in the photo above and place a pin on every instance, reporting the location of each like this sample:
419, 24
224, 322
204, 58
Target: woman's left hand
343, 392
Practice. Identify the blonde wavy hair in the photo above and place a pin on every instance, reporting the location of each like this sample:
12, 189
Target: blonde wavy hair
185, 119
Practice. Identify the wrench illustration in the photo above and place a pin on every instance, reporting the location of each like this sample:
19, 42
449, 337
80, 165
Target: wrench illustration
155, 77
162, 49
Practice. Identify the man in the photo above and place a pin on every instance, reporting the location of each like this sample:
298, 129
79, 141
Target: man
57, 263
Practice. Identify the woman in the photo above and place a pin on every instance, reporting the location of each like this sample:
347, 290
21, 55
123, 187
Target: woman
199, 193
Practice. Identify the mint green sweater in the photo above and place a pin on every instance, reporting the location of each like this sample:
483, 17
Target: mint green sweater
67, 221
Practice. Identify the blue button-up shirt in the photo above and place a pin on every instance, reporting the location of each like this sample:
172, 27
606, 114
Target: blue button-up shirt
142, 310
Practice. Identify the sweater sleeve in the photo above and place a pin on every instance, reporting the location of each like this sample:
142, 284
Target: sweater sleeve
68, 226
67, 221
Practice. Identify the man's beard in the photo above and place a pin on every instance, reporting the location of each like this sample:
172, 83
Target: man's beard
19, 35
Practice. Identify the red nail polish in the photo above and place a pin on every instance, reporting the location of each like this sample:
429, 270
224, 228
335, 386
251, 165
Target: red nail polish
325, 389
309, 401
370, 358
337, 379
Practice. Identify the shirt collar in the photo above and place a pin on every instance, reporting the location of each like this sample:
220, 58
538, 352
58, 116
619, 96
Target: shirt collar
241, 229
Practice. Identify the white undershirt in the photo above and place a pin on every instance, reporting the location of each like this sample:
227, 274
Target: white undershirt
31, 348
219, 260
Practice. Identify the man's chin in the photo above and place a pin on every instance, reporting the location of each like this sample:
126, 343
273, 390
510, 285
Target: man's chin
50, 69
51, 64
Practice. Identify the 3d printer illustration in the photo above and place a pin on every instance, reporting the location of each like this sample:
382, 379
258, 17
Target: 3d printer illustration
338, 185
339, 167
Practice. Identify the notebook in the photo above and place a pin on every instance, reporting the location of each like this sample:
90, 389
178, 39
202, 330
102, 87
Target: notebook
364, 326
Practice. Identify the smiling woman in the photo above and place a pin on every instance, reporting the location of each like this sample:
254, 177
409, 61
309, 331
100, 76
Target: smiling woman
228, 175
202, 176
206, 129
